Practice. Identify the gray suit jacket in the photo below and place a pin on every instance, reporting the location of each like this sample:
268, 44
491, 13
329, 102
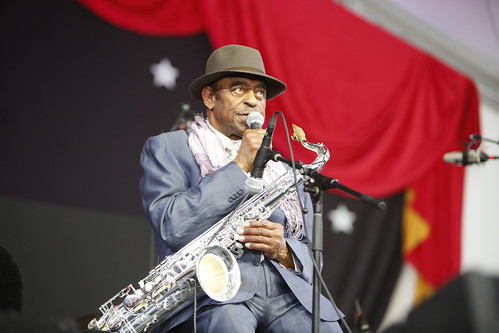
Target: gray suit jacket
179, 207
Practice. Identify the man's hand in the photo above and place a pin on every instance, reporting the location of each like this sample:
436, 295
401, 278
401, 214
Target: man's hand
267, 237
251, 142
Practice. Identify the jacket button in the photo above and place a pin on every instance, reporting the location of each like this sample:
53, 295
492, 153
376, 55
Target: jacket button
256, 263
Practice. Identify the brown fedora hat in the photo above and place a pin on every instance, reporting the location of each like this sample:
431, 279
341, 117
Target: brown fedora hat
236, 60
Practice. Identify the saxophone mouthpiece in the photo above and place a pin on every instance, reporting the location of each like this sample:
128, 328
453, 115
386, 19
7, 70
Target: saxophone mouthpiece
298, 133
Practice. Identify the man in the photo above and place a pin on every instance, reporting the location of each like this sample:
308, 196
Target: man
191, 182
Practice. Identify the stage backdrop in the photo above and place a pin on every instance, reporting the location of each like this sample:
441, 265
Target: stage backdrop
387, 110
84, 93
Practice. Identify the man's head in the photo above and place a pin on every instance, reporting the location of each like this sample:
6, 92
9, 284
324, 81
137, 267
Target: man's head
236, 60
234, 85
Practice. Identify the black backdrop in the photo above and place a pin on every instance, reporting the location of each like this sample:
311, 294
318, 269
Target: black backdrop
77, 103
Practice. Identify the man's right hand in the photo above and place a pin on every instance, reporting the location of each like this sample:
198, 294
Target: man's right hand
251, 142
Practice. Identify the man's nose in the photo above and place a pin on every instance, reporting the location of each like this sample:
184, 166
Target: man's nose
250, 98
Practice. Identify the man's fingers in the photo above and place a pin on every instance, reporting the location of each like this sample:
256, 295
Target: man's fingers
261, 223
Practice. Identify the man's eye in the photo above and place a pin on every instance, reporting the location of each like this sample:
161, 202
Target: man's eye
238, 90
260, 93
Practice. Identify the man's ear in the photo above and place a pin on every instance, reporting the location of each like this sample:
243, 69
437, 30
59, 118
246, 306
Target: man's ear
208, 96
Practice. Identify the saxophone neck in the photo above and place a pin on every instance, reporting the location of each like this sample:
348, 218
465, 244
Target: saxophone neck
319, 148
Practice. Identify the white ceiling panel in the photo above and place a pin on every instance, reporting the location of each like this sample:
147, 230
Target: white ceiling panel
462, 33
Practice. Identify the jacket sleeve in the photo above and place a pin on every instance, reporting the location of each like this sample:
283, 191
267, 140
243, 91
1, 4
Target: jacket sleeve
179, 205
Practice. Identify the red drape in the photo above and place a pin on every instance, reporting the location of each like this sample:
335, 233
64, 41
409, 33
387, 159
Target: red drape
386, 110
151, 17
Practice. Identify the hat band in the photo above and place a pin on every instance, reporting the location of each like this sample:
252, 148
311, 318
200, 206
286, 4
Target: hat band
250, 69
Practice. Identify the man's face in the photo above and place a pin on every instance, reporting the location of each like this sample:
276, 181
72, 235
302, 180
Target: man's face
231, 102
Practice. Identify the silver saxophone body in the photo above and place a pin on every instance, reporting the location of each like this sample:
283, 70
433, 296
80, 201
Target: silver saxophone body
208, 262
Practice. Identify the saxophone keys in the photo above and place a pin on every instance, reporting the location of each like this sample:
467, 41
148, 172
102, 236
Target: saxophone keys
130, 301
179, 267
168, 275
148, 287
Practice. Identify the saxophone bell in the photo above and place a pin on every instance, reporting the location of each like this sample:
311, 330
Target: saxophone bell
218, 273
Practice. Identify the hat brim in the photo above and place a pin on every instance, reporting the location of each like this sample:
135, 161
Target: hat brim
274, 86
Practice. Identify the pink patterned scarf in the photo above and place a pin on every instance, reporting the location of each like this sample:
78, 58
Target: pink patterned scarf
209, 153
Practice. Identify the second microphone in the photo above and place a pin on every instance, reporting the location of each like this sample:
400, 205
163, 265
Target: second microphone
254, 183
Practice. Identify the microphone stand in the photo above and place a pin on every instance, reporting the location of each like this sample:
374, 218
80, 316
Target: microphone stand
320, 184
482, 157
474, 137
323, 183
317, 249
316, 186
184, 119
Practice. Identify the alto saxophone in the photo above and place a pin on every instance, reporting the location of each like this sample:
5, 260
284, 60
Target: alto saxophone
207, 262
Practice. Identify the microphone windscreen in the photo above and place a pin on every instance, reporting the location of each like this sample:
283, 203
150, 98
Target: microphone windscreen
453, 157
465, 157
255, 120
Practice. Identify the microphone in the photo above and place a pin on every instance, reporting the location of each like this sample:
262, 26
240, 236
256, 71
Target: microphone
254, 183
467, 157
255, 120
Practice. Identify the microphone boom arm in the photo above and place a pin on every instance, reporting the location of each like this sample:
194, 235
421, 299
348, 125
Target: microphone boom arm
322, 182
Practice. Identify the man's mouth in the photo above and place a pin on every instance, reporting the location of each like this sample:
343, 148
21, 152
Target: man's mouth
243, 116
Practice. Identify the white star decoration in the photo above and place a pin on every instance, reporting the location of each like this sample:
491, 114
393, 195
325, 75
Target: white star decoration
165, 74
342, 219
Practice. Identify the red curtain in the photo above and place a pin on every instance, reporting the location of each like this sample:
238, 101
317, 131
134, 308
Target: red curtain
387, 111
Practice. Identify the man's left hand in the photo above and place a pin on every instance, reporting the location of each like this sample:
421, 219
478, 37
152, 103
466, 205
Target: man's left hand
267, 237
